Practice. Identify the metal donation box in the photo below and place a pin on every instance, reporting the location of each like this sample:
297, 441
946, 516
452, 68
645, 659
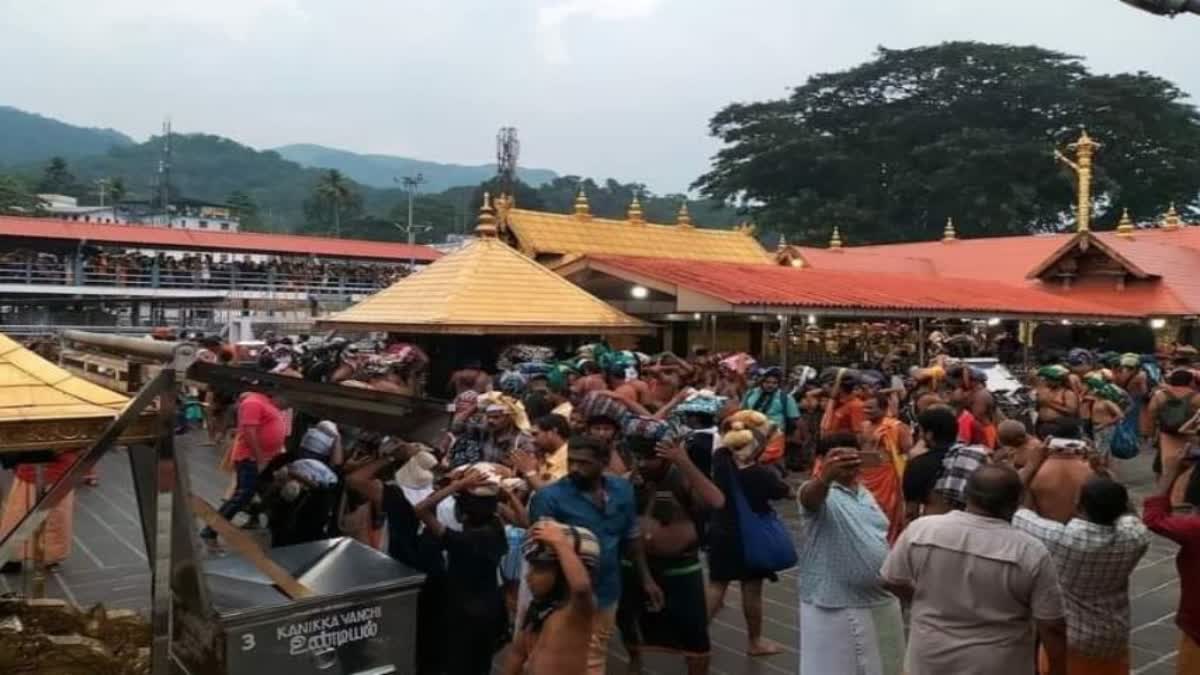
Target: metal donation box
359, 620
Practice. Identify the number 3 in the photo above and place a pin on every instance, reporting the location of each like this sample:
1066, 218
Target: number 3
247, 641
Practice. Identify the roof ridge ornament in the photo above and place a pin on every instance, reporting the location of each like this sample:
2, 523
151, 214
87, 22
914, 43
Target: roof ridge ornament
1171, 220
486, 229
582, 210
949, 234
635, 215
835, 241
684, 219
1125, 227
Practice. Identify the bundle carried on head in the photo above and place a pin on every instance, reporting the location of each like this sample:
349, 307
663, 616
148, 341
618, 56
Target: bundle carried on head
739, 363
742, 441
702, 402
1053, 373
582, 541
643, 434
495, 401
619, 364
514, 355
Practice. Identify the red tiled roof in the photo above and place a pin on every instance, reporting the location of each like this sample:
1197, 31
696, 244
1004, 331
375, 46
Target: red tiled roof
1172, 256
238, 242
817, 289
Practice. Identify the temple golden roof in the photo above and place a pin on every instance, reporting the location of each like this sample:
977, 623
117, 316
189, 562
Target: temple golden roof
32, 389
486, 288
540, 234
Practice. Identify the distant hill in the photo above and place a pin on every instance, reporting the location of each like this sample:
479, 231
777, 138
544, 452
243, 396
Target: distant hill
26, 137
381, 170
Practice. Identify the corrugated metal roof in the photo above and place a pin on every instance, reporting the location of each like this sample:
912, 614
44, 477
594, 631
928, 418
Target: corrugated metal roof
32, 388
540, 233
202, 240
486, 287
816, 289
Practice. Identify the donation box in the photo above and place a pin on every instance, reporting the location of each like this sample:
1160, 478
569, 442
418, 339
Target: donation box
360, 619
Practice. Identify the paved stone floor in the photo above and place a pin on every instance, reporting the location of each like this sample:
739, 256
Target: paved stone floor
108, 565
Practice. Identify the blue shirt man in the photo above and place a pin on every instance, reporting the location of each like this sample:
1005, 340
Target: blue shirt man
604, 504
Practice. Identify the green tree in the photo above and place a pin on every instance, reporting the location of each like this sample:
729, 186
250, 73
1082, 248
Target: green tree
117, 190
16, 199
247, 210
57, 178
889, 149
334, 194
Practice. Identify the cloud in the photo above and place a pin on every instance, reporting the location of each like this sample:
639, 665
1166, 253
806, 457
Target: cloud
551, 20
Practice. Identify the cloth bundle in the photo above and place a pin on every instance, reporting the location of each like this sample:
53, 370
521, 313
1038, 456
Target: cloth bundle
514, 355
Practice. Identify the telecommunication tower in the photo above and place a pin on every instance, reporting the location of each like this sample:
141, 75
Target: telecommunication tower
508, 149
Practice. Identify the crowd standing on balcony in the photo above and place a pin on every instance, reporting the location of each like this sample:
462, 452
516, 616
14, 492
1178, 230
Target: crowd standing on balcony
136, 269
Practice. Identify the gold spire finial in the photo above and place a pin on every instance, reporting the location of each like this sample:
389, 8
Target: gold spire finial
486, 228
582, 211
684, 219
949, 234
1085, 149
835, 242
1172, 221
1125, 226
635, 212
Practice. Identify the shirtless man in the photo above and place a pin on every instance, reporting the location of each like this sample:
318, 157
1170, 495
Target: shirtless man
1054, 399
1130, 376
1173, 442
631, 389
1015, 444
1055, 476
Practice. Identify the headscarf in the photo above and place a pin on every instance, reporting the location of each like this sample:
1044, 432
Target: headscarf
490, 488
510, 405
1104, 389
558, 375
642, 434
586, 546
619, 364
1079, 356
702, 402
1053, 373
1130, 360
513, 383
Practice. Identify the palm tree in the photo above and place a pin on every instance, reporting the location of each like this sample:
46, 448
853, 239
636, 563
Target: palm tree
334, 189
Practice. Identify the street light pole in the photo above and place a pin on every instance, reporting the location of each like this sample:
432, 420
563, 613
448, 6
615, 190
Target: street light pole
411, 183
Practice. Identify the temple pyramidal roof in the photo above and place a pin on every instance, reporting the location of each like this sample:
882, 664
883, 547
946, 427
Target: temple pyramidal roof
486, 288
32, 388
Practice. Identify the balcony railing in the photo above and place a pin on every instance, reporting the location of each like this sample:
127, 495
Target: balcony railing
225, 279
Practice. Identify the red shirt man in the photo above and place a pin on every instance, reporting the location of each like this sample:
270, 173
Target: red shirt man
261, 429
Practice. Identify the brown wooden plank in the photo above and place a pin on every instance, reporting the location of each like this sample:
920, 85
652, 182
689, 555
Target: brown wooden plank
249, 549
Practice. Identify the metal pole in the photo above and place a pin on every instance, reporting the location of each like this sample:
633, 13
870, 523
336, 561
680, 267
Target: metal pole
785, 344
921, 342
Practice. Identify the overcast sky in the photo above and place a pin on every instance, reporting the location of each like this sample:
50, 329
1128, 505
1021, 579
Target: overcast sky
620, 88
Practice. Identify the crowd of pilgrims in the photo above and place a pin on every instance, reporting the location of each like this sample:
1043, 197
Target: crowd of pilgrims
616, 493
131, 268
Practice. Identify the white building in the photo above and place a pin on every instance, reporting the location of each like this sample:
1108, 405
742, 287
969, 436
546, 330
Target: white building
68, 208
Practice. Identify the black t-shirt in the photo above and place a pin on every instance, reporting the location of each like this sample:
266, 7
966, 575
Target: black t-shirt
404, 542
472, 558
922, 474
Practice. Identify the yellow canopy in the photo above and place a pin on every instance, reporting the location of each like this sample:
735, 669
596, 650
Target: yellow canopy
32, 388
486, 288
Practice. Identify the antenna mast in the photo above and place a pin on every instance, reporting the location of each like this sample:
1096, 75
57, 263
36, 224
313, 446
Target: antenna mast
164, 171
508, 149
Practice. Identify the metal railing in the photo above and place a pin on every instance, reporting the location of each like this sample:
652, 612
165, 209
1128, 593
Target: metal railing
218, 279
